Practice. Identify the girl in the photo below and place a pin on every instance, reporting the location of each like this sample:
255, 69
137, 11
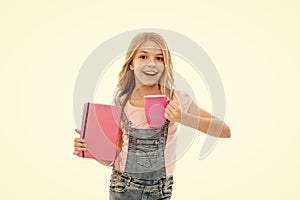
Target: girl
146, 160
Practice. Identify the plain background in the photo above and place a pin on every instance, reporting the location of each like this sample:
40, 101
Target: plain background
254, 45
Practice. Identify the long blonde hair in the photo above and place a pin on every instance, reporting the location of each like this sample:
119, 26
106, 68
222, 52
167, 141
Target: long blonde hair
126, 76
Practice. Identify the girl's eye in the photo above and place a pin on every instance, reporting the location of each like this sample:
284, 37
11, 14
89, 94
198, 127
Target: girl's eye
160, 58
143, 57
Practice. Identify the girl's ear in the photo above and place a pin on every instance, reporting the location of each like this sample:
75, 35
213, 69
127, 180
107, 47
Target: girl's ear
131, 67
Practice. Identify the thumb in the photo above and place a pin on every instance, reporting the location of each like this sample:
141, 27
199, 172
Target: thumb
77, 131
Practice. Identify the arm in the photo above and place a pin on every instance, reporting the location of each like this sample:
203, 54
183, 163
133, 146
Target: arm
198, 119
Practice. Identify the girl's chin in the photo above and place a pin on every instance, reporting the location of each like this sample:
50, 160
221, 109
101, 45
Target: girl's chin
148, 83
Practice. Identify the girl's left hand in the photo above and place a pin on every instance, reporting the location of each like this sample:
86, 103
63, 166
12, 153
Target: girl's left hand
173, 112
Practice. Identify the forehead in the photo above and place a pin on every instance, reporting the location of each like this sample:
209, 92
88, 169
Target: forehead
150, 47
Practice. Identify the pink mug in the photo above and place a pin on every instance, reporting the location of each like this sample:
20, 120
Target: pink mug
155, 109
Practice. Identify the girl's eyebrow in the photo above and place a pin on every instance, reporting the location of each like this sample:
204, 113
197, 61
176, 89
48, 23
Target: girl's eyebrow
146, 52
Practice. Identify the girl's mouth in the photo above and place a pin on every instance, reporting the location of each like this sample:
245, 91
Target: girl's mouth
150, 73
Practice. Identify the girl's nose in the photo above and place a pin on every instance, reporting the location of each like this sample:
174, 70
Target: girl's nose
152, 62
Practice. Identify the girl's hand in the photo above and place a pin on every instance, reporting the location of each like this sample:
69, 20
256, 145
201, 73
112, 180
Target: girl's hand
173, 112
79, 145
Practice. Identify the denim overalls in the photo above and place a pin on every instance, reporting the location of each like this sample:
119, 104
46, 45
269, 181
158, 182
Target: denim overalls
144, 176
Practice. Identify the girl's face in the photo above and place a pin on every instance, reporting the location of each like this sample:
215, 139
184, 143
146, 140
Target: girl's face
148, 64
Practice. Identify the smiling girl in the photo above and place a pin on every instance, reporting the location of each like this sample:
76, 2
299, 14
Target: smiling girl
145, 164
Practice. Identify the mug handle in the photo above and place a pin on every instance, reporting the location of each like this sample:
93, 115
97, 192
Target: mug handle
167, 101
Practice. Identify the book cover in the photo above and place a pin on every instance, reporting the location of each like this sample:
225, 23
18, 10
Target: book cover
100, 128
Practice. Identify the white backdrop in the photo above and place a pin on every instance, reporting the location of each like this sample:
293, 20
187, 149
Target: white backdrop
254, 45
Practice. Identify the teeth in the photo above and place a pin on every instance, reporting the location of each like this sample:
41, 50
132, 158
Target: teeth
150, 73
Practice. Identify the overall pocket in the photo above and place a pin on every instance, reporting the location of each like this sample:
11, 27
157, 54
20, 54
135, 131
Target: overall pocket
168, 187
117, 185
146, 152
146, 159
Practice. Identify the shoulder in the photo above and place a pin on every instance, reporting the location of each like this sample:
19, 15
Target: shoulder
118, 100
181, 96
183, 99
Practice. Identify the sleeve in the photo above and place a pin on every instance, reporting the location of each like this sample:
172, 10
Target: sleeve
116, 101
184, 100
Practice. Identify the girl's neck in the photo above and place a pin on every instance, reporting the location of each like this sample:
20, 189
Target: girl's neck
144, 90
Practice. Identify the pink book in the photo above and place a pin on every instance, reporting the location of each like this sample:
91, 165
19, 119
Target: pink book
100, 128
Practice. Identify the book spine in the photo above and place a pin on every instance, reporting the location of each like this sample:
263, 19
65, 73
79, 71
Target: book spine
85, 122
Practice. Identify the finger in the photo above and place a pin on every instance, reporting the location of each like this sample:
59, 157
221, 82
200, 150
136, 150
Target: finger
79, 140
79, 149
167, 116
172, 104
76, 144
77, 131
170, 110
167, 113
77, 152
175, 106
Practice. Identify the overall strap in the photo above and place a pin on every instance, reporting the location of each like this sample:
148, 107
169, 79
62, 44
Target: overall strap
165, 129
126, 125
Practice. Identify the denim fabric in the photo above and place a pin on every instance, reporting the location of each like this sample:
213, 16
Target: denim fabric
144, 176
124, 187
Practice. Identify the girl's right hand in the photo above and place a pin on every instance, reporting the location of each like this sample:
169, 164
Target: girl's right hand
79, 145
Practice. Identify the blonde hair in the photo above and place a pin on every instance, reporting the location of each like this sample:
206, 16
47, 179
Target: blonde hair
126, 76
